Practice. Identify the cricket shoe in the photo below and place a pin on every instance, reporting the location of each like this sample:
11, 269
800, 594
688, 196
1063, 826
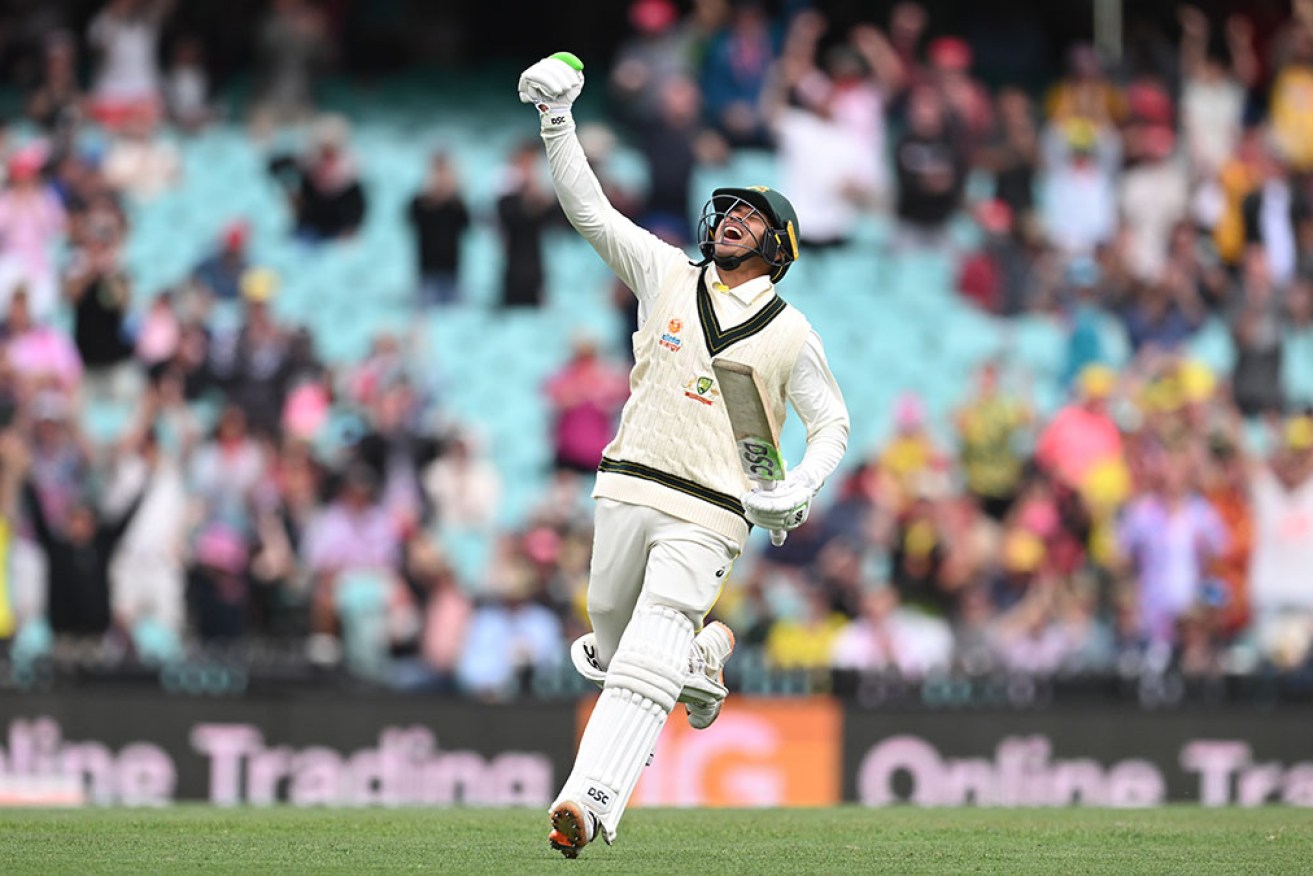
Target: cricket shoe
573, 827
711, 649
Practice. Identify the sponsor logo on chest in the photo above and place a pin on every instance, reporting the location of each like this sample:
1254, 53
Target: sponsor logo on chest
670, 339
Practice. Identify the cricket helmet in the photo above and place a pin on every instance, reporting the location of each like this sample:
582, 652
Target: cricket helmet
779, 244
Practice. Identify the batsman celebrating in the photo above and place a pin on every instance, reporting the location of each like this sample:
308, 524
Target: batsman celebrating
673, 502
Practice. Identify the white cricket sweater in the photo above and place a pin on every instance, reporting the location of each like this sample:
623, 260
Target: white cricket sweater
675, 449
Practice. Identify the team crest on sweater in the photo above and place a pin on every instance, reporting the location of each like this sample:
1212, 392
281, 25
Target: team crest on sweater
670, 340
701, 388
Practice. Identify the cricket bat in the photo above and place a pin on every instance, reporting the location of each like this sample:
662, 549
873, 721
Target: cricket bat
756, 434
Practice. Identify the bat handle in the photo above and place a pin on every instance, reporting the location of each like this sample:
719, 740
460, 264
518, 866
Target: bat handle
777, 536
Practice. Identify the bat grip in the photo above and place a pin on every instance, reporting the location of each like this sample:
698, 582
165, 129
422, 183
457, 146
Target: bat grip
777, 536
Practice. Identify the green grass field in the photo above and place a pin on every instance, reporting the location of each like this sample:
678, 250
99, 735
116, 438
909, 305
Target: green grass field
513, 842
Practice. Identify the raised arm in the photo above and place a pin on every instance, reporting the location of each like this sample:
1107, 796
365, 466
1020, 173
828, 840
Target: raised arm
639, 258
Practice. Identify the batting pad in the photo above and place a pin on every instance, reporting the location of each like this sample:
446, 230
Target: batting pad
642, 685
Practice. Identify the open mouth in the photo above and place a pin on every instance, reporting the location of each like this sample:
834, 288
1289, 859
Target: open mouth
732, 234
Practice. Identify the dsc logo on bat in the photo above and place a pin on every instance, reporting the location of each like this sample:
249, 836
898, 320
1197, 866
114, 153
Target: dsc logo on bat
761, 460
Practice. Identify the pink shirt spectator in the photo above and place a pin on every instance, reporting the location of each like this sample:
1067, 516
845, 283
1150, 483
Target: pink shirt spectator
445, 621
1076, 441
586, 394
42, 353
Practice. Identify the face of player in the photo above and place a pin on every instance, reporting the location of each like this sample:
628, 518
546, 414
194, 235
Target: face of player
742, 229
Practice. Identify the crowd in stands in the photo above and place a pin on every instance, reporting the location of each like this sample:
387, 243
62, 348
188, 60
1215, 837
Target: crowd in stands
1162, 518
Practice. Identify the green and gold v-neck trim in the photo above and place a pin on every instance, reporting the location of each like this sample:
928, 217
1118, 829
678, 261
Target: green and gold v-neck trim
718, 339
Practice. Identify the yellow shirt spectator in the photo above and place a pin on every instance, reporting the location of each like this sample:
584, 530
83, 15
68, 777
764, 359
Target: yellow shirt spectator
1292, 115
807, 644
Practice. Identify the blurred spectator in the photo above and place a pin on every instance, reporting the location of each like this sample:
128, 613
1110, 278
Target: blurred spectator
734, 74
159, 334
61, 457
40, 355
447, 611
1085, 318
1086, 93
658, 52
1083, 434
187, 86
220, 273
1255, 322
1282, 599
1004, 275
218, 585
586, 395
1197, 261
396, 449
78, 555
888, 638
917, 556
462, 484
931, 168
225, 472
125, 37
1273, 213
989, 428
525, 208
1079, 209
1170, 537
1153, 197
353, 535
323, 184
509, 636
1219, 203
100, 292
140, 163
1164, 313
440, 219
254, 363
1297, 345
907, 27
57, 101
805, 637
32, 223
1291, 96
292, 46
16, 607
966, 101
1226, 487
837, 112
1213, 90
146, 574
911, 458
674, 142
1013, 156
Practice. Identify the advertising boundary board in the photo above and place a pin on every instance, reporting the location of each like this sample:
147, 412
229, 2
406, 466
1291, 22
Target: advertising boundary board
1093, 756
142, 748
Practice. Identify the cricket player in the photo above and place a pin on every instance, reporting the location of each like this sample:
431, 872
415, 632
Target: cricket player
673, 504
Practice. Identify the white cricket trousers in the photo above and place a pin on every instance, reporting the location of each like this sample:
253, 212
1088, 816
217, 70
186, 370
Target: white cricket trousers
640, 553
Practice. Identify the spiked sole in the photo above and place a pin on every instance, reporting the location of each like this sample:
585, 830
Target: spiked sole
569, 830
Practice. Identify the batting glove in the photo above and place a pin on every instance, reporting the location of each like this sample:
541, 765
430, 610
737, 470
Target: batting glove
784, 508
552, 85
